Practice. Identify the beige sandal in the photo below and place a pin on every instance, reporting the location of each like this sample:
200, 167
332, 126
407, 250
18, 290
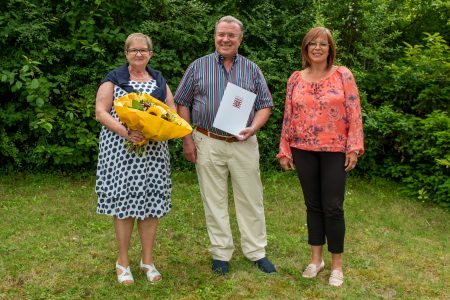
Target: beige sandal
125, 277
312, 270
336, 278
152, 273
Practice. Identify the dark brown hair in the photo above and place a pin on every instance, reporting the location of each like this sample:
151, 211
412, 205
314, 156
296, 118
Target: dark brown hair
310, 36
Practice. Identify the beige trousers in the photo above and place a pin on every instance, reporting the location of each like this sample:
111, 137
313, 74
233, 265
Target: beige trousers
216, 161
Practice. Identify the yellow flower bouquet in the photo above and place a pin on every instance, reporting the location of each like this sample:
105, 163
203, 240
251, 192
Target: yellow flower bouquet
153, 118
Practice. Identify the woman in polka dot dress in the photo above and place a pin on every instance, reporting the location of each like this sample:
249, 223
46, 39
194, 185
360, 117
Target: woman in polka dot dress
131, 186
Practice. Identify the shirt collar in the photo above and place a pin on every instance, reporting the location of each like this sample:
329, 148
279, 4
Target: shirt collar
219, 57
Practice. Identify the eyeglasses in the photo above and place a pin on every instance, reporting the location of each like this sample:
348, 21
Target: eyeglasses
318, 44
140, 51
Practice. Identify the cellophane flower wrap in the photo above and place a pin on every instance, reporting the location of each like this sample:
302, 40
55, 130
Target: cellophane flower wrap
153, 118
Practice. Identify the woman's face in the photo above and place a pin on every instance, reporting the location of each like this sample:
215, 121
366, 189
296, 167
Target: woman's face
138, 54
318, 49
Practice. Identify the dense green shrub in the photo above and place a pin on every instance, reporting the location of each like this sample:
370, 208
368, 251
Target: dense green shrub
407, 125
56, 52
409, 149
417, 83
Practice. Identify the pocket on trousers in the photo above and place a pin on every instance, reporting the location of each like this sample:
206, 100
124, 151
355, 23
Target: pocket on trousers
201, 145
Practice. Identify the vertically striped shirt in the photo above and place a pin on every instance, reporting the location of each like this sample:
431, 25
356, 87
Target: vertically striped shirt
204, 82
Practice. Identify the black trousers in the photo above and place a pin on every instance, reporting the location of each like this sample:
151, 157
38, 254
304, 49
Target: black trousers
322, 177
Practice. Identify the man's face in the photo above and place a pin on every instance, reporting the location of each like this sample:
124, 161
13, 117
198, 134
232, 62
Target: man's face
227, 38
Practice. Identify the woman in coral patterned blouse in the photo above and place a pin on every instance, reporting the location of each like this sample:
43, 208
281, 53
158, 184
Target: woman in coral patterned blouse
322, 138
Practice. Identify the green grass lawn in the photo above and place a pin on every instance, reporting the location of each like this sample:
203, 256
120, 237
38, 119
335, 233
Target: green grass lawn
54, 245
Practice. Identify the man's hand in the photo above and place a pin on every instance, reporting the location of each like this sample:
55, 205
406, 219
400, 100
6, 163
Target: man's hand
246, 133
189, 150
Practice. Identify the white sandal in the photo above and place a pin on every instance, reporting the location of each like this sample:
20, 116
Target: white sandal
152, 273
125, 277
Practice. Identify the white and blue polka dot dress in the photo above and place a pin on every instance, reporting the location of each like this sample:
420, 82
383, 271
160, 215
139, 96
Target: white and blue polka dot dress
129, 185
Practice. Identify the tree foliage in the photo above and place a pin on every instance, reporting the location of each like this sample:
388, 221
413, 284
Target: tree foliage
417, 83
56, 52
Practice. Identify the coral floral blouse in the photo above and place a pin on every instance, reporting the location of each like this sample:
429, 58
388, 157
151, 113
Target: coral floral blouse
322, 116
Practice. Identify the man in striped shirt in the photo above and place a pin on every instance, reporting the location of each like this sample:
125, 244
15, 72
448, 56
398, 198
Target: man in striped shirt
217, 154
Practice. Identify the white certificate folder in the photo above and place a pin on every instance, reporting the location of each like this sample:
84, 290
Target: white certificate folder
234, 109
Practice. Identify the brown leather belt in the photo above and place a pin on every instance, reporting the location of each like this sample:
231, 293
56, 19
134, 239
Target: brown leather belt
229, 138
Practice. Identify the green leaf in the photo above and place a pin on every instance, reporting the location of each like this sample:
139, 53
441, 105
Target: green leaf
137, 105
25, 68
47, 126
40, 102
69, 114
17, 86
34, 84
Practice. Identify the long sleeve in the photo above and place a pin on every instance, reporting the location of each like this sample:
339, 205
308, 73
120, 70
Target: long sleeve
355, 139
285, 148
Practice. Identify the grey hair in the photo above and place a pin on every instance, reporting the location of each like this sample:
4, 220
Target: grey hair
138, 36
230, 19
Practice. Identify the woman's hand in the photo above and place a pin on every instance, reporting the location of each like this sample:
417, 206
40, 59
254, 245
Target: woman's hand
350, 161
286, 164
135, 136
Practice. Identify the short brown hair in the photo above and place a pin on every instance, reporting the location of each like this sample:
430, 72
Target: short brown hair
138, 36
310, 36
